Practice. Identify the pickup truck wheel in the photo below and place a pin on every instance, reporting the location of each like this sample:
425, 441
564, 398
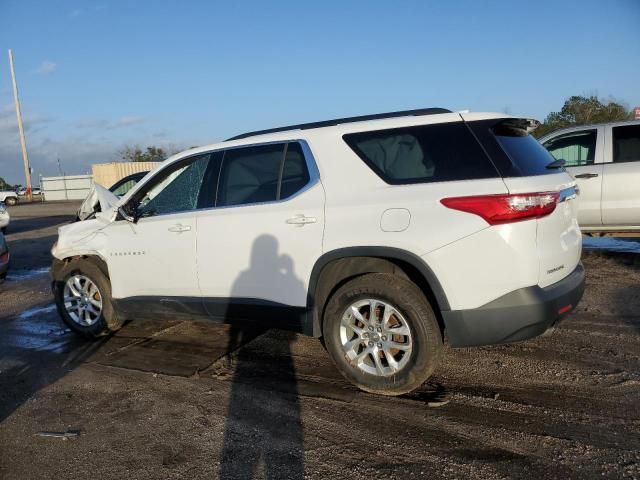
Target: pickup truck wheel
83, 298
11, 200
382, 334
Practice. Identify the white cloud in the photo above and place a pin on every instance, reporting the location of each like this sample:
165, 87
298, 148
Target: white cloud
128, 121
92, 123
103, 124
9, 122
46, 68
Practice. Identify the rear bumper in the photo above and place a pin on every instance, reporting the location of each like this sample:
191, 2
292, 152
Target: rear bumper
518, 315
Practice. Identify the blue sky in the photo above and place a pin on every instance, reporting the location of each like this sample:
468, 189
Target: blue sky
97, 75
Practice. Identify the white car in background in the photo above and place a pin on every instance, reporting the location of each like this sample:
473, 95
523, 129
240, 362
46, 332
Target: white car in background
605, 161
4, 217
9, 197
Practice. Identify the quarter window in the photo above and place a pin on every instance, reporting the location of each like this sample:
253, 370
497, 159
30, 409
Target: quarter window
294, 172
430, 153
626, 143
576, 148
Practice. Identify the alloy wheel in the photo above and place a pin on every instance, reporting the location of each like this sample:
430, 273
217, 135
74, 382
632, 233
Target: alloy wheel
375, 337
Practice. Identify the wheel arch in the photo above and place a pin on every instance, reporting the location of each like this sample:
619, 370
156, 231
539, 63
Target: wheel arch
92, 257
338, 266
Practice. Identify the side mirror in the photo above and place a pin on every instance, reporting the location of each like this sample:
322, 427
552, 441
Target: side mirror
126, 216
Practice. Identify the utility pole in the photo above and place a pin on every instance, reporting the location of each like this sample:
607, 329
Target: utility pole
23, 142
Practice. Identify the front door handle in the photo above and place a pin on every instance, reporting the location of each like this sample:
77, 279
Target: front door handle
179, 228
301, 220
586, 175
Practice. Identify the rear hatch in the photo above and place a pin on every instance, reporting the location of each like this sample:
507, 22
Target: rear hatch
527, 167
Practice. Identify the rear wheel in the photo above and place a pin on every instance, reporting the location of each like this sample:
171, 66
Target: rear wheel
11, 200
382, 334
82, 293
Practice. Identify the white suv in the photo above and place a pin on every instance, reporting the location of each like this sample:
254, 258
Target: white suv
383, 234
605, 160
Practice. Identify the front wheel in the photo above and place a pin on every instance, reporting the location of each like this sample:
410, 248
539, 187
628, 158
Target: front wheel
382, 334
83, 298
11, 201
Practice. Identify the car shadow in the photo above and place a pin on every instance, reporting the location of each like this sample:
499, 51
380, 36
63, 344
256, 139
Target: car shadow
263, 425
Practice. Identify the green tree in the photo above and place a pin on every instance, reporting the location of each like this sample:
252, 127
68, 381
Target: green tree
578, 110
4, 185
150, 154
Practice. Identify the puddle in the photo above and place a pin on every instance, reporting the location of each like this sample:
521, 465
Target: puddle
17, 275
612, 244
32, 312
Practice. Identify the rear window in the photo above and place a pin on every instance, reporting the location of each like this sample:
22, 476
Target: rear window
514, 151
423, 154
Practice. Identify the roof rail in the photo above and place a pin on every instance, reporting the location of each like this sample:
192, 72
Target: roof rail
338, 121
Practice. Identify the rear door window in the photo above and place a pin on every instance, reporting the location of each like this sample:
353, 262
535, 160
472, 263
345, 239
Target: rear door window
576, 148
423, 154
626, 143
263, 173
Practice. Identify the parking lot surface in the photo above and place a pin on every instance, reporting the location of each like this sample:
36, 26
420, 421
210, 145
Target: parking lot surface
175, 399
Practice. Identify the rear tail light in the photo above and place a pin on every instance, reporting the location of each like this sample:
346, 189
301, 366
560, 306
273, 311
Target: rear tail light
506, 208
4, 258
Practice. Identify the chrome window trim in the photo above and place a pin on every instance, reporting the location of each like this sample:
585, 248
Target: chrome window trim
310, 161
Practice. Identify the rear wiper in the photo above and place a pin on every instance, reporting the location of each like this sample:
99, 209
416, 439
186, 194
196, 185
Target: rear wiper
556, 164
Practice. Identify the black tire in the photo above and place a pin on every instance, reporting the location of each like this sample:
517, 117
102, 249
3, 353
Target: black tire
4, 230
411, 303
11, 201
108, 321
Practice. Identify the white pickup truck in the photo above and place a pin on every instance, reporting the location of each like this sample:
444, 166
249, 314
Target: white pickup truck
9, 197
605, 161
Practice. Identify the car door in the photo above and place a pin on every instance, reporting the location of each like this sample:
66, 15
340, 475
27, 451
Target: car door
257, 247
154, 258
582, 151
621, 179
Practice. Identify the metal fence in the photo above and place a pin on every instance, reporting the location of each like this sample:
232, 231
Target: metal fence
72, 187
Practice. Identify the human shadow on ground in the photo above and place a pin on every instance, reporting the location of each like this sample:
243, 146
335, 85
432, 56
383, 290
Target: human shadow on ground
263, 425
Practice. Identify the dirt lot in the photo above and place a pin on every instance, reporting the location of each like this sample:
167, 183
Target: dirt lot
191, 400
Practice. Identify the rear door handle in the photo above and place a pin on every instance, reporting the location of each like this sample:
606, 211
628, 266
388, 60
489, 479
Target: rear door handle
179, 228
586, 175
301, 220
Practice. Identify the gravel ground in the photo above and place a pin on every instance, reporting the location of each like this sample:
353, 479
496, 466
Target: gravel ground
174, 399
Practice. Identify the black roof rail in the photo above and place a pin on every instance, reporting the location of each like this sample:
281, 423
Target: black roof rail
338, 121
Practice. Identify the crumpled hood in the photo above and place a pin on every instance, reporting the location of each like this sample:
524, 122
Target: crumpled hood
98, 195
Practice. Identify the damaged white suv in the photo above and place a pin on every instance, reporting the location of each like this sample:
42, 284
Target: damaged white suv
384, 234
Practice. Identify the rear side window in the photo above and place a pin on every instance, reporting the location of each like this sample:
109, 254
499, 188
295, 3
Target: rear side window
626, 143
575, 148
423, 154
